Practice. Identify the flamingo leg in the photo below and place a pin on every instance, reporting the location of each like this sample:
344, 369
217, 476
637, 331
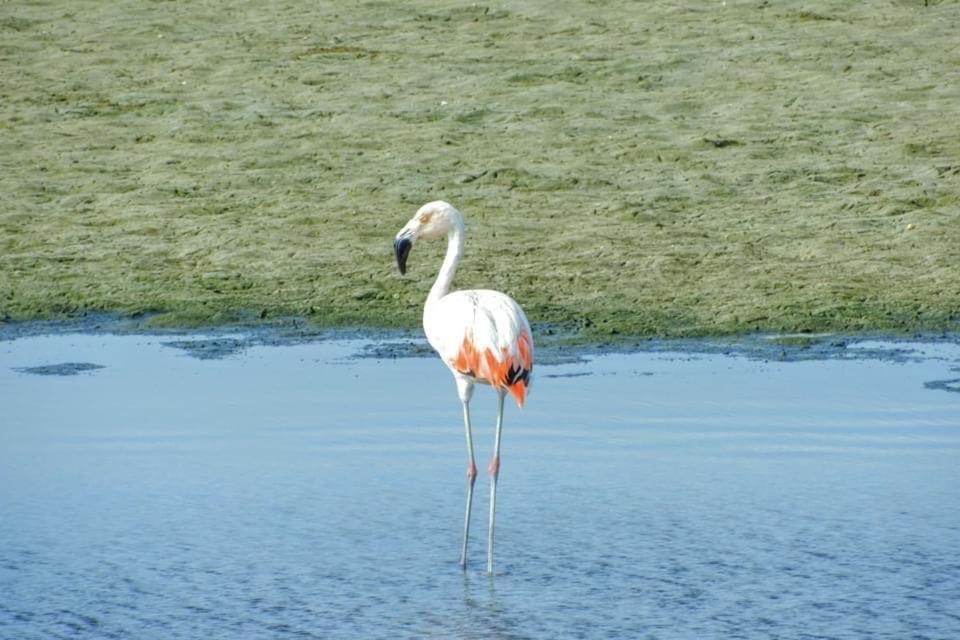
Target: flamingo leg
494, 473
471, 478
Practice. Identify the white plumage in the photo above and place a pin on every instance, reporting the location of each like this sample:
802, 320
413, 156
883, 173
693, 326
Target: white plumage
488, 322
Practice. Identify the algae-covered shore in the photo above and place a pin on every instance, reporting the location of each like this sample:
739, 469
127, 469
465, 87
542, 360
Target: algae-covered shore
653, 168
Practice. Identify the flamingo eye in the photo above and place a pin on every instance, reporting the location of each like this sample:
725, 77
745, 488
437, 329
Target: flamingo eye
424, 218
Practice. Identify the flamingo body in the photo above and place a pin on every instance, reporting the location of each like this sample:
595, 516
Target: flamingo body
482, 336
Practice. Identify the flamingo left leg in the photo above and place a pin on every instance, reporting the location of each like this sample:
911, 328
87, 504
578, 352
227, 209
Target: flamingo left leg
494, 469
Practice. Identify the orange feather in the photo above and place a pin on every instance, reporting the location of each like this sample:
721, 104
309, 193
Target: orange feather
497, 370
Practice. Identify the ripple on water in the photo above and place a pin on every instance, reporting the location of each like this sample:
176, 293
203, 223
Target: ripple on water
297, 493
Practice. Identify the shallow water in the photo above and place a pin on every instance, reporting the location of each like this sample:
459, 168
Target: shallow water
299, 491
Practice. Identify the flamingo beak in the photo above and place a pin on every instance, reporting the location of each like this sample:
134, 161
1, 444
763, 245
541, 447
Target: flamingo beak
401, 249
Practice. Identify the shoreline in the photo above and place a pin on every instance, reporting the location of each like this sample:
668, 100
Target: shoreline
224, 340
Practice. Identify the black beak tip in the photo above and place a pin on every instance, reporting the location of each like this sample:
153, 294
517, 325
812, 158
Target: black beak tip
401, 248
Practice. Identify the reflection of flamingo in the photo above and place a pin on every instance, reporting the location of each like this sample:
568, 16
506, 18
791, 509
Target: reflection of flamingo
482, 335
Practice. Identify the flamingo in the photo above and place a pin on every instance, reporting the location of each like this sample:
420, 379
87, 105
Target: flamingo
481, 335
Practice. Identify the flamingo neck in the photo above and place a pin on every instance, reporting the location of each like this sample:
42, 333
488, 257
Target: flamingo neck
448, 269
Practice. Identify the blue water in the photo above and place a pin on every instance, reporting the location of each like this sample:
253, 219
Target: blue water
301, 492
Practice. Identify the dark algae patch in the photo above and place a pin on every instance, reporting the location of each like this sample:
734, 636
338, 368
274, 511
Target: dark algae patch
213, 348
944, 385
62, 369
626, 169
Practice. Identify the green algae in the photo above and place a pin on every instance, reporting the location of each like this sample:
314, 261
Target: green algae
626, 169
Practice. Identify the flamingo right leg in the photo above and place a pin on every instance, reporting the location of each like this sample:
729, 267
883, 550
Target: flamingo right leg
465, 389
471, 479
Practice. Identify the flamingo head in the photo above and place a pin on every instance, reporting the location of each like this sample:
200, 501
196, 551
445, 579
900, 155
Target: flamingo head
433, 220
